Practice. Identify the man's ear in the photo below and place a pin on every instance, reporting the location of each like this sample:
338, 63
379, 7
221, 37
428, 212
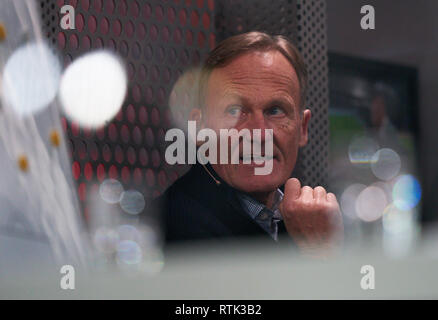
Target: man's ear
304, 132
196, 115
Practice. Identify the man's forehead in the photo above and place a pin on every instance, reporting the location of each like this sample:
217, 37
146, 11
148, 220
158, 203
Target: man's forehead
256, 69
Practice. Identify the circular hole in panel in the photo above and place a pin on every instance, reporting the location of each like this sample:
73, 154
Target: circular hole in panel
129, 29
61, 40
150, 177
109, 6
104, 26
136, 51
201, 39
106, 153
123, 49
194, 18
112, 132
212, 41
76, 170
88, 171
92, 24
130, 154
143, 157
177, 36
73, 42
148, 52
136, 93
155, 117
79, 22
97, 5
149, 95
206, 20
86, 43
143, 115
117, 28
113, 173
119, 115
159, 13
162, 179
153, 32
123, 7
149, 137
165, 34
136, 135
182, 17
137, 176
100, 172
82, 191
131, 71
93, 150
155, 158
118, 154
126, 174
171, 15
130, 113
141, 31
142, 74
189, 37
146, 11
134, 9
124, 133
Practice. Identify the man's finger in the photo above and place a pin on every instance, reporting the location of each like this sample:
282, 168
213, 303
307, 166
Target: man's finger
292, 189
320, 194
307, 193
331, 197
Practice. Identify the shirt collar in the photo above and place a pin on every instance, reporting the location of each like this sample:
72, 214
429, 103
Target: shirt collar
254, 208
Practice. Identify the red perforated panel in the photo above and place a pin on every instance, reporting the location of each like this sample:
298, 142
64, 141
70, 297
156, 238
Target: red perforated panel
157, 40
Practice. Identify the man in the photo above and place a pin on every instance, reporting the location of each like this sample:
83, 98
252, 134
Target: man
252, 81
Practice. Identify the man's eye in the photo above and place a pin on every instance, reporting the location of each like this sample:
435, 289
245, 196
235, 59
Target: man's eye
234, 111
275, 111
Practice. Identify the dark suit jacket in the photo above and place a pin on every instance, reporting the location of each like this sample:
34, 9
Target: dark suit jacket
196, 208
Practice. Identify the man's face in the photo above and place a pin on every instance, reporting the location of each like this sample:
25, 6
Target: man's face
257, 90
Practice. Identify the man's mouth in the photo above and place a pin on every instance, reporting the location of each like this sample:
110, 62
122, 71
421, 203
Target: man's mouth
254, 158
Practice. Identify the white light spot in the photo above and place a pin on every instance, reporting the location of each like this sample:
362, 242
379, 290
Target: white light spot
361, 150
348, 200
132, 202
105, 240
386, 164
111, 191
129, 252
93, 88
31, 78
371, 203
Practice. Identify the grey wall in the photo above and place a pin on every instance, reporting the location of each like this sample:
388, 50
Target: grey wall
406, 33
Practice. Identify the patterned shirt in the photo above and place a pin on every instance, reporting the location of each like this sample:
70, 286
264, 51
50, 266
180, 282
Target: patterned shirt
267, 218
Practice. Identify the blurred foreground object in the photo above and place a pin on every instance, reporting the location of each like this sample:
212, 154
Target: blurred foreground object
40, 212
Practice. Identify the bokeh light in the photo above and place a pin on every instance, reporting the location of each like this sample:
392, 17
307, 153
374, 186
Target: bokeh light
132, 202
406, 192
348, 200
31, 78
111, 191
396, 221
371, 203
385, 164
361, 150
93, 88
129, 232
105, 240
129, 252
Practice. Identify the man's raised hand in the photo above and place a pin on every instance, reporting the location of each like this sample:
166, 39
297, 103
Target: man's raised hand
312, 217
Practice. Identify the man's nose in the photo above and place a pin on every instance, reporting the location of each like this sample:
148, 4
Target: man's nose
257, 121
